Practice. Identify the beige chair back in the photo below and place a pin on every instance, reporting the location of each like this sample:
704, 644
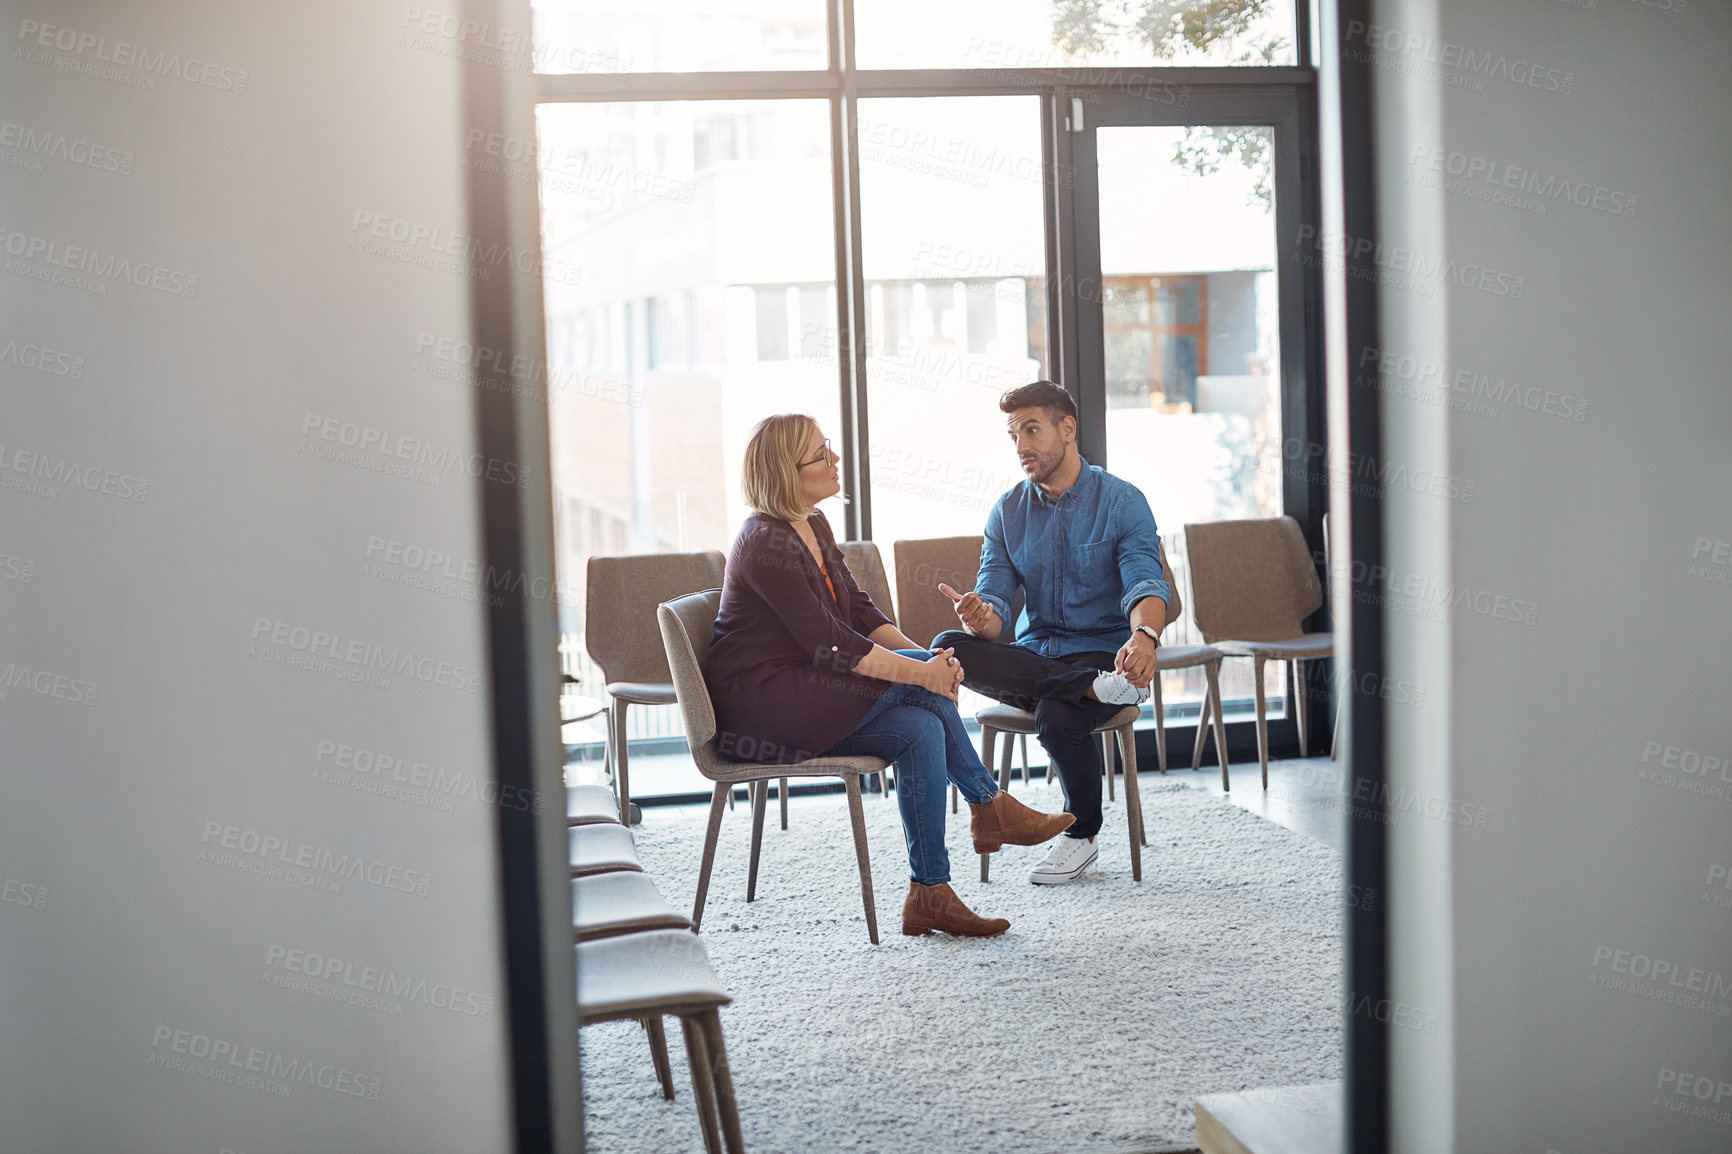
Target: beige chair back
1175, 603
619, 627
867, 566
687, 625
1251, 580
921, 566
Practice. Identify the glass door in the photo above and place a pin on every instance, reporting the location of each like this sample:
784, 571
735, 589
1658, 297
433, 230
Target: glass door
1193, 323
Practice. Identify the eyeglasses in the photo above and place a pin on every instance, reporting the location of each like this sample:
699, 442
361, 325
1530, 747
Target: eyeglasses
824, 457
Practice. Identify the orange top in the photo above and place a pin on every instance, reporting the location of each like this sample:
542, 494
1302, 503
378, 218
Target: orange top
826, 572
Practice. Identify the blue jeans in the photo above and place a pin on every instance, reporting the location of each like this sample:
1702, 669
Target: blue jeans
924, 735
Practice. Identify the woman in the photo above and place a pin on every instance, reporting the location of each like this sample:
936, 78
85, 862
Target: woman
803, 665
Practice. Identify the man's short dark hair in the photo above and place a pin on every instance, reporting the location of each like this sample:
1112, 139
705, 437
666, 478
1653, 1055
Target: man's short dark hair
1040, 395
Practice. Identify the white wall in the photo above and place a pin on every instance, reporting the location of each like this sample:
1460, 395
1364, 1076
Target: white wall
1592, 649
149, 930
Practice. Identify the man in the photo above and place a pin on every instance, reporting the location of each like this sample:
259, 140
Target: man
1082, 545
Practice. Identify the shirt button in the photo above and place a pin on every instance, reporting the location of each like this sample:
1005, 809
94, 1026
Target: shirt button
832, 649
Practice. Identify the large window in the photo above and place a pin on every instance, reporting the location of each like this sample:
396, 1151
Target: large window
767, 219
1192, 346
1023, 34
703, 231
951, 198
619, 37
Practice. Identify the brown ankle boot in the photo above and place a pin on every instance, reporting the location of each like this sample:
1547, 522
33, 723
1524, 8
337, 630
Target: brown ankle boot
1006, 821
929, 908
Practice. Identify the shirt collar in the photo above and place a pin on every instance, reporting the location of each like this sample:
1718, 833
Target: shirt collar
1085, 483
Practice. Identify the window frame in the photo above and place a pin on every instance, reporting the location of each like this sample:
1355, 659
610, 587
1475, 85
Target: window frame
1284, 96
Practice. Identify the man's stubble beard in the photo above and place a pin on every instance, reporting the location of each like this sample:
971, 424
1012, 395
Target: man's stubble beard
1044, 469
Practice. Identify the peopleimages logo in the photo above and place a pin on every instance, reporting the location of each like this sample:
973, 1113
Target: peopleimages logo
434, 241
46, 683
417, 456
228, 1061
519, 375
1403, 267
1464, 61
1470, 384
1660, 979
36, 146
373, 771
42, 473
1698, 1095
323, 975
42, 359
78, 260
437, 571
231, 845
1499, 176
89, 47
365, 660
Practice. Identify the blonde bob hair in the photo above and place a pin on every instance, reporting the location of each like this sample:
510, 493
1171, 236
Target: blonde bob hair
770, 474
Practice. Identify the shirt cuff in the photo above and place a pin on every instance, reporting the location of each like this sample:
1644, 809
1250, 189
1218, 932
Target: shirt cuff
1153, 587
999, 606
846, 649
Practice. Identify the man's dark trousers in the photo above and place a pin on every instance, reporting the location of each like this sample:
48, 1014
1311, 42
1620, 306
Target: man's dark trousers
1053, 689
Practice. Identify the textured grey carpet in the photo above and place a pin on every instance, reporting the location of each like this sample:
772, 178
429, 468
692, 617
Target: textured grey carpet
1091, 1026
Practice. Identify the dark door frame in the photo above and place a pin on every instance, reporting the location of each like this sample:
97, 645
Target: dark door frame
1075, 310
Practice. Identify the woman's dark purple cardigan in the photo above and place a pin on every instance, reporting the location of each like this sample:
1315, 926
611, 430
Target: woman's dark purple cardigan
780, 662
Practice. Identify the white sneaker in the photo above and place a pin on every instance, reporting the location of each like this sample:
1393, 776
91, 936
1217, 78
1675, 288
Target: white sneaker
1115, 688
1066, 861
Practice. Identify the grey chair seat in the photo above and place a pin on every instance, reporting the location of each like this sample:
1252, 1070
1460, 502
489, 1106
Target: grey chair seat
599, 848
661, 972
1010, 719
1306, 647
747, 771
1185, 656
606, 905
590, 805
643, 692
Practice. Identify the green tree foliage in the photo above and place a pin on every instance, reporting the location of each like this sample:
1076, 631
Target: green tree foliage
1085, 28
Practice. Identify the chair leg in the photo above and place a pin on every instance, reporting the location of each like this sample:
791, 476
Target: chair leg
760, 802
1213, 672
726, 1106
1203, 720
1160, 722
717, 801
1127, 736
658, 1040
1107, 761
1335, 732
1004, 763
1024, 737
988, 751
621, 761
1296, 695
703, 1081
1262, 719
953, 799
782, 796
857, 816
607, 746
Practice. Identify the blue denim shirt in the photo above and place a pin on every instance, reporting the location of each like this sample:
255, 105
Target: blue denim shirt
1082, 560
